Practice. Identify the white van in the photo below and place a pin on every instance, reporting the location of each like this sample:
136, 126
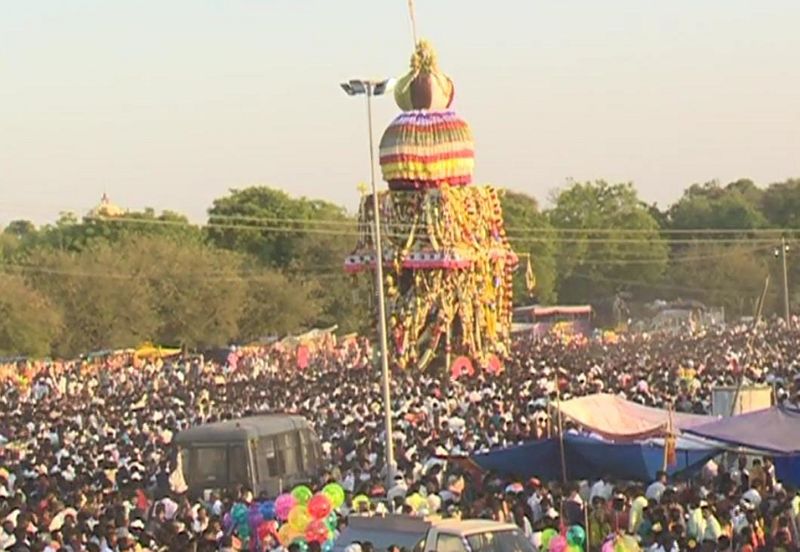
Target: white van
418, 534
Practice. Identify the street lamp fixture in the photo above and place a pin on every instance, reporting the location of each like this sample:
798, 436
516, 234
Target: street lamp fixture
370, 88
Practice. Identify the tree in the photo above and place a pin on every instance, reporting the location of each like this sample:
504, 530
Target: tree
28, 321
710, 206
276, 305
306, 239
781, 204
9, 246
197, 292
346, 301
143, 288
608, 241
71, 234
21, 229
731, 276
105, 302
274, 227
532, 236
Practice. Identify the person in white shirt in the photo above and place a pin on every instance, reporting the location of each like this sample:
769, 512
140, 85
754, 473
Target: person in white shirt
601, 489
657, 487
535, 501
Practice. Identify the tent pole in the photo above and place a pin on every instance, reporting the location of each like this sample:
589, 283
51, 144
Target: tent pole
560, 432
757, 320
586, 525
669, 440
666, 450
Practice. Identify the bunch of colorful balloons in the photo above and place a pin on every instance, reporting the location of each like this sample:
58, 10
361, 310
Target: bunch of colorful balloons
309, 517
574, 540
304, 517
256, 519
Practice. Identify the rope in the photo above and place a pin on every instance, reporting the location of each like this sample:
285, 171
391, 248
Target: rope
412, 15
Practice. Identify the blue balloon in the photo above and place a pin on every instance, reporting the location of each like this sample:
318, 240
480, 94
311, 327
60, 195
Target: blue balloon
327, 546
267, 509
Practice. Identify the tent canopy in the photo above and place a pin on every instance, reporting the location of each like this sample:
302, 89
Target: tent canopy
617, 419
775, 430
588, 458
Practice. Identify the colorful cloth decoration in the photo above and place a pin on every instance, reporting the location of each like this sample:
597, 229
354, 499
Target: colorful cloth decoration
424, 149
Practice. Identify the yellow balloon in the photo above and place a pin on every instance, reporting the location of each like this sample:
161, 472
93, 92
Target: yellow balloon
286, 534
299, 518
359, 501
416, 501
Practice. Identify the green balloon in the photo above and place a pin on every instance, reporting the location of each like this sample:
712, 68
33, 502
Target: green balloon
335, 492
547, 536
302, 494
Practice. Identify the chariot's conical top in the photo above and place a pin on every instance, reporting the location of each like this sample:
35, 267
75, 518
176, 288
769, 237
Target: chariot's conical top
428, 145
424, 86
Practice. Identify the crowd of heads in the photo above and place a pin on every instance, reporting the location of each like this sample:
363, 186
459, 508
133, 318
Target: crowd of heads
88, 461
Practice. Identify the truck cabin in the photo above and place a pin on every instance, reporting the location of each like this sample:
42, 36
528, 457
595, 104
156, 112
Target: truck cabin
265, 453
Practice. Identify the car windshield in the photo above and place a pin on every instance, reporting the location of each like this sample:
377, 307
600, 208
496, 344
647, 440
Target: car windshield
511, 540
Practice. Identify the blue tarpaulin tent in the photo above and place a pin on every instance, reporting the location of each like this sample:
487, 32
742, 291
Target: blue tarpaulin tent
588, 458
774, 430
787, 469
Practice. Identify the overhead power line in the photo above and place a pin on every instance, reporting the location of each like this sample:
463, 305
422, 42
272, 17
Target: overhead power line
349, 223
331, 271
549, 235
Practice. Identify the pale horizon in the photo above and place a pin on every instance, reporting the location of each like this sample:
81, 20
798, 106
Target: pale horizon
171, 104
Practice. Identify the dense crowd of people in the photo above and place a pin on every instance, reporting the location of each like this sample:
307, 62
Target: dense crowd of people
87, 460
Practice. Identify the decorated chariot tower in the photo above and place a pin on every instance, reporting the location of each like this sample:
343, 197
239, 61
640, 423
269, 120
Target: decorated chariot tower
447, 261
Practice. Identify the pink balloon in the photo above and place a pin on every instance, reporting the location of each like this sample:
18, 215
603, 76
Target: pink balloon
608, 546
284, 505
558, 544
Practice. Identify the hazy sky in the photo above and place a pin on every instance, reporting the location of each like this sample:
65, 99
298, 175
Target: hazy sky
169, 103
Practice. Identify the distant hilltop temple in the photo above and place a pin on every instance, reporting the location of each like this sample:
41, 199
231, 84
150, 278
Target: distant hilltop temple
106, 209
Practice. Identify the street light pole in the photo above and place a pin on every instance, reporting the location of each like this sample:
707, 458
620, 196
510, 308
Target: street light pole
787, 314
370, 89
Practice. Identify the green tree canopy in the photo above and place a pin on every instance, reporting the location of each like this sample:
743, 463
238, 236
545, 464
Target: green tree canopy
781, 204
29, 323
276, 228
306, 239
276, 305
608, 240
731, 276
197, 292
105, 302
20, 229
735, 206
531, 235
